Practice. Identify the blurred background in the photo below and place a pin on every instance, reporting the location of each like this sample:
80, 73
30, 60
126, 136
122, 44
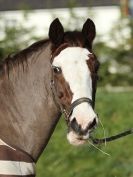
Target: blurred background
24, 22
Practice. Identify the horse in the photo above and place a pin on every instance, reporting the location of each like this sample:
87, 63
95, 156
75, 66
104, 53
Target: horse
53, 76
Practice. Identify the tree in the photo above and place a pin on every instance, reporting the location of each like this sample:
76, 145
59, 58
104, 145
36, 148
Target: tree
14, 35
117, 57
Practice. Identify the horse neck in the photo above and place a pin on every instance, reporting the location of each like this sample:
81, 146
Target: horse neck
28, 111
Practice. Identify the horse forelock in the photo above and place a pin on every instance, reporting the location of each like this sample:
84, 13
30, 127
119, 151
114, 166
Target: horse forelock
71, 39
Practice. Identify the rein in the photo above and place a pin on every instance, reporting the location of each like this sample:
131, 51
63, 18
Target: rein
111, 138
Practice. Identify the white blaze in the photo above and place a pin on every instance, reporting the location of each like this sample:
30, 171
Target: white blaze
72, 61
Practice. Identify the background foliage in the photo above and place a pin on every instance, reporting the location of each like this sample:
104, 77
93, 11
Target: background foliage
116, 55
14, 35
62, 159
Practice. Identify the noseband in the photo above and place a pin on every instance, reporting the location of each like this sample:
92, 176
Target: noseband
67, 113
77, 102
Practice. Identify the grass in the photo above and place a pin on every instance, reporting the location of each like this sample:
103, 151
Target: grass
61, 159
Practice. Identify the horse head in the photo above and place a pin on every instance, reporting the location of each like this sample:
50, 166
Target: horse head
75, 68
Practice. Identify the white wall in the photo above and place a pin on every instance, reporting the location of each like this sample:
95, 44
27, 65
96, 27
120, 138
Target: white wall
104, 18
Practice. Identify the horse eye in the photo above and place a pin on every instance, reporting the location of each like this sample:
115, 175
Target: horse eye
57, 70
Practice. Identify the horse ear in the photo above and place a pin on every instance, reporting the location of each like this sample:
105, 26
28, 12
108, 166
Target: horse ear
89, 30
56, 32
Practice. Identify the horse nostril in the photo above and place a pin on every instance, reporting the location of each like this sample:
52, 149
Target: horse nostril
75, 126
92, 124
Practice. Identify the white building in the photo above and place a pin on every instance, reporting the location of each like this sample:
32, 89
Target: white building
103, 16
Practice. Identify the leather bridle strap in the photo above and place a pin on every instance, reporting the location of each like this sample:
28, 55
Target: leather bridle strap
79, 101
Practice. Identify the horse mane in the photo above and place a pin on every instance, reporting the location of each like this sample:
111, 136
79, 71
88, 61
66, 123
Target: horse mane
22, 56
71, 38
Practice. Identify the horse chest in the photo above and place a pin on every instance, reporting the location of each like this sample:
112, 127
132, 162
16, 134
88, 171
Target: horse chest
14, 162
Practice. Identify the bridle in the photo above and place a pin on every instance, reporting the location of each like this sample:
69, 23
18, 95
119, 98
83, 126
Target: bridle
67, 112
